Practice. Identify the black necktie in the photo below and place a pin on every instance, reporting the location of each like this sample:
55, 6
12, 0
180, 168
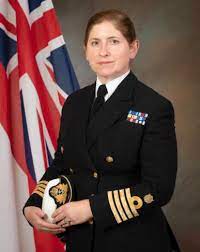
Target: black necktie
99, 101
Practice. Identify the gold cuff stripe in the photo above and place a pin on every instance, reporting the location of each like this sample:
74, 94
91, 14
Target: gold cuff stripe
42, 186
113, 208
138, 200
124, 203
131, 205
43, 182
119, 207
38, 190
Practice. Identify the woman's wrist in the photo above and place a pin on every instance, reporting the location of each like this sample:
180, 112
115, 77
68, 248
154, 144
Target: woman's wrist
89, 211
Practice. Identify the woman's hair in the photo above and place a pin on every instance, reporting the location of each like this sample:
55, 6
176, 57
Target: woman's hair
119, 19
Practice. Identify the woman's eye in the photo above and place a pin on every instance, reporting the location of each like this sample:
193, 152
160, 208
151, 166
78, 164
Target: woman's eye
94, 43
114, 41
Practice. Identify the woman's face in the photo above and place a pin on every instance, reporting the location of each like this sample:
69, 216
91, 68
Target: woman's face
108, 52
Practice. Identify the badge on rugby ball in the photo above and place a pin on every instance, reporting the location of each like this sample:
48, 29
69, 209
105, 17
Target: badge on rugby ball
57, 192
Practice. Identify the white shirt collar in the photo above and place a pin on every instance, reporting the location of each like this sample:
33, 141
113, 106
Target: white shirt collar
111, 85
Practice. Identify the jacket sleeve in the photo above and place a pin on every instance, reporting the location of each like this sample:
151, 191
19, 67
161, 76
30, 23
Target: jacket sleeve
56, 168
158, 163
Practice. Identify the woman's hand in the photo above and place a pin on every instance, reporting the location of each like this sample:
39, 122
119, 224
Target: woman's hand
73, 213
37, 219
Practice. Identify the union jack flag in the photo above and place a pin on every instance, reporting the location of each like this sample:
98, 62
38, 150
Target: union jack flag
36, 76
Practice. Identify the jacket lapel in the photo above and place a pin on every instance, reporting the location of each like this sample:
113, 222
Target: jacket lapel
85, 106
113, 109
80, 124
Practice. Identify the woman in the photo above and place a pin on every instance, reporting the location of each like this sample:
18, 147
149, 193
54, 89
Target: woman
117, 146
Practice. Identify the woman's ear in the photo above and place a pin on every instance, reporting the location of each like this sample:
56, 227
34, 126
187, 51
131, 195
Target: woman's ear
134, 47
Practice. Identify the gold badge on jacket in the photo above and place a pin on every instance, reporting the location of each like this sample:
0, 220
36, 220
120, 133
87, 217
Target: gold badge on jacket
61, 193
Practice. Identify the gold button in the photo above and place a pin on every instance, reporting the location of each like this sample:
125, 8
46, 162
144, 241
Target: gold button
148, 198
90, 221
71, 170
95, 175
109, 159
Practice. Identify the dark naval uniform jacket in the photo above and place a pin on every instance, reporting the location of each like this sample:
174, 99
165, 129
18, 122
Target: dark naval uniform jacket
124, 160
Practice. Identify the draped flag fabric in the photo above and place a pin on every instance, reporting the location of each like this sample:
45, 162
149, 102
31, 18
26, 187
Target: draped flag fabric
36, 77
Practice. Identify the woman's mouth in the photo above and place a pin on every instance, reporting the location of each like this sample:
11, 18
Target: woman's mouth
104, 62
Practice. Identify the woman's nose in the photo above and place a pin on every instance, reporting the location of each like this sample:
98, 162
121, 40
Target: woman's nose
104, 50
